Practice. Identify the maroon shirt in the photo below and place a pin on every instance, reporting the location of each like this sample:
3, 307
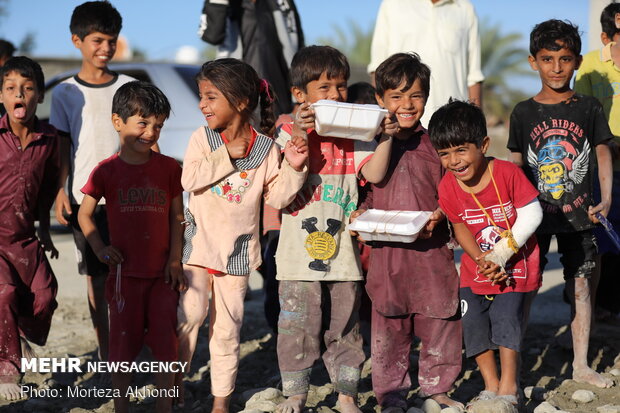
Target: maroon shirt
29, 179
418, 277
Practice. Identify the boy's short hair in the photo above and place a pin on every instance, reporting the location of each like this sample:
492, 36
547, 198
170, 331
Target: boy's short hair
399, 68
95, 16
310, 62
140, 98
6, 48
554, 35
27, 68
361, 92
608, 20
457, 123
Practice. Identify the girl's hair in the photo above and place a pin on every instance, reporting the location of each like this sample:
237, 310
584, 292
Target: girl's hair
240, 83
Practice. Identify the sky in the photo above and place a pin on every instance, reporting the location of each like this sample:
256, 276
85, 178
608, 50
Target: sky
161, 27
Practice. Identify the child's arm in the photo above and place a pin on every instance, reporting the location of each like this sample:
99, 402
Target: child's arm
107, 254
375, 169
605, 174
174, 271
201, 167
47, 193
62, 200
528, 219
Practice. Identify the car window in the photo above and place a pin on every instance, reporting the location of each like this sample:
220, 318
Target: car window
188, 74
45, 109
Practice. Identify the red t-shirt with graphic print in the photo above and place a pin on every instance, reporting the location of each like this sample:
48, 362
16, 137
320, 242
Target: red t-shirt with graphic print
515, 191
138, 201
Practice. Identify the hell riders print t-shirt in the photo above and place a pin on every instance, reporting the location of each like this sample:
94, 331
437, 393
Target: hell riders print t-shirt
557, 143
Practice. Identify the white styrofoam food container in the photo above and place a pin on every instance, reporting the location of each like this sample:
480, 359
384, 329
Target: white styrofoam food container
394, 226
347, 120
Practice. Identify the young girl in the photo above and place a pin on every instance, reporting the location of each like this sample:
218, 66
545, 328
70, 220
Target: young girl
228, 167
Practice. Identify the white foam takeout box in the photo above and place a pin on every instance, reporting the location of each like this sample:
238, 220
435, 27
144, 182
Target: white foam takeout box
394, 226
347, 120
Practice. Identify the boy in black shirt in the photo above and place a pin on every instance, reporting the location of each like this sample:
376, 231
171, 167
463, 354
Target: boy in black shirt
559, 138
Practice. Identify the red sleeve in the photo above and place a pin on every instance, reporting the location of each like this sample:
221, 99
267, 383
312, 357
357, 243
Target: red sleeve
522, 190
94, 186
447, 200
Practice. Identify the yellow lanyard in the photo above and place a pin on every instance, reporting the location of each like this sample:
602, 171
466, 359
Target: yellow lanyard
507, 233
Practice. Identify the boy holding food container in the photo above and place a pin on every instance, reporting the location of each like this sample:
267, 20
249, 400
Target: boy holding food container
317, 260
413, 286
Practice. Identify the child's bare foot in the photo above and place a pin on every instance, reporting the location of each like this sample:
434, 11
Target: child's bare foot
220, 404
589, 376
443, 399
293, 404
348, 404
11, 391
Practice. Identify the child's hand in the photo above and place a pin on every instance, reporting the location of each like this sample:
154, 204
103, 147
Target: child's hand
110, 255
603, 208
389, 124
352, 218
237, 148
304, 118
46, 242
173, 275
61, 206
489, 269
435, 218
296, 152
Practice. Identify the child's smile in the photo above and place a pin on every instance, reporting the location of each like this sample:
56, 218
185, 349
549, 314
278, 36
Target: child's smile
406, 104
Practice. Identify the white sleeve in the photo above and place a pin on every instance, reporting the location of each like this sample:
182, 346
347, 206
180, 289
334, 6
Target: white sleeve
529, 218
474, 53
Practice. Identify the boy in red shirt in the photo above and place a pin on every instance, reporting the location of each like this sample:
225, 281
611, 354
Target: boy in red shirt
143, 194
494, 211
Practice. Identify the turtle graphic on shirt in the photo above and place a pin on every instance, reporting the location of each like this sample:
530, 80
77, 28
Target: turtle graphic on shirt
320, 245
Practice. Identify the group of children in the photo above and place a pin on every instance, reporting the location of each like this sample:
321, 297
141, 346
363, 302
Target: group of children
168, 268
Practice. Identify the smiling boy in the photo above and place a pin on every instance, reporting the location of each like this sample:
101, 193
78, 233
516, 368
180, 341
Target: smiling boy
559, 139
413, 287
494, 212
317, 261
144, 197
29, 169
81, 108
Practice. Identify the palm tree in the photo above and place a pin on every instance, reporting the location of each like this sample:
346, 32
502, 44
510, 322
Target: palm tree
502, 61
355, 43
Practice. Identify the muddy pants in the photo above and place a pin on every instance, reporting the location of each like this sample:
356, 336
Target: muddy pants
305, 307
439, 362
27, 301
